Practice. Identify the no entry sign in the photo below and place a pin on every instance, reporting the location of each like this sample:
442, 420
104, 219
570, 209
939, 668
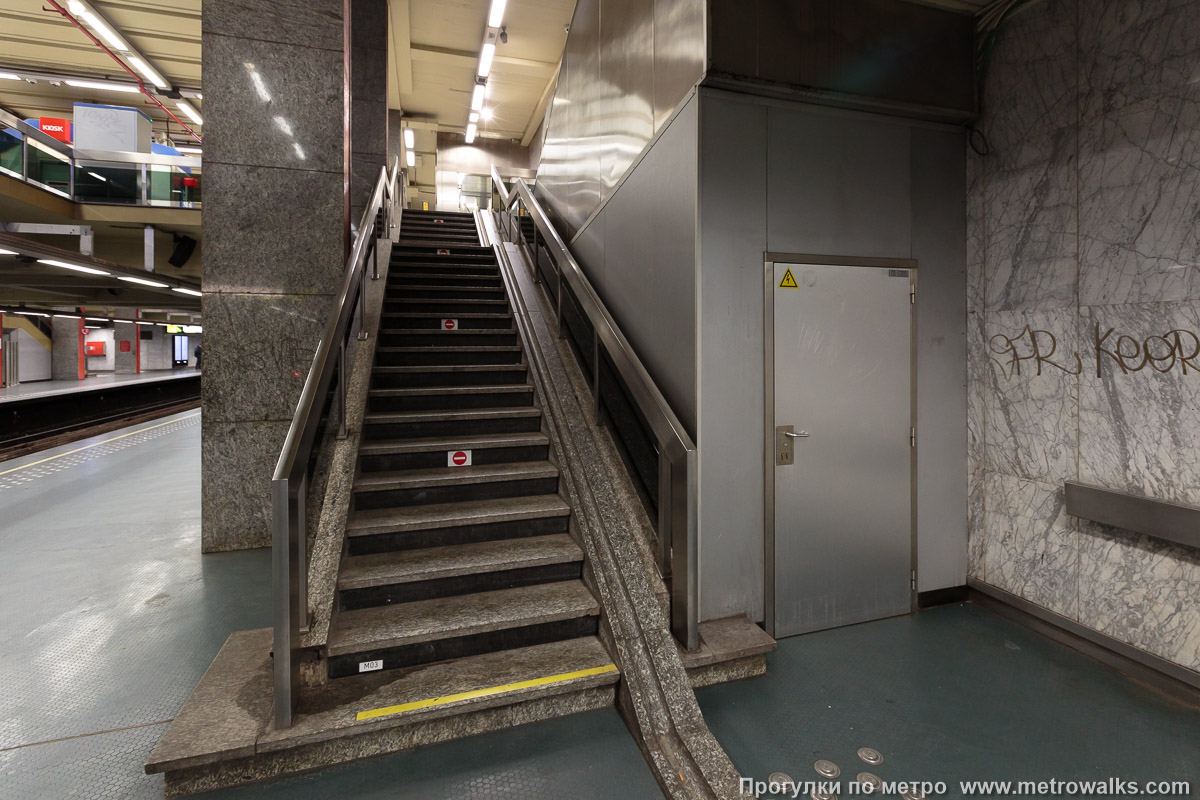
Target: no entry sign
458, 458
449, 324
443, 252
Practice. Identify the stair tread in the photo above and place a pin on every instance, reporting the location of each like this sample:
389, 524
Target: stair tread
473, 300
433, 391
432, 563
479, 441
451, 414
422, 368
447, 515
449, 288
451, 476
401, 624
452, 348
438, 315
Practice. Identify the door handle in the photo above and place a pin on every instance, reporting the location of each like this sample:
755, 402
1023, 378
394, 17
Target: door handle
800, 435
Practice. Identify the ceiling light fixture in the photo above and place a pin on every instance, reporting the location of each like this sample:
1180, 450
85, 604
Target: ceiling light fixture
148, 72
98, 177
410, 138
97, 319
181, 290
144, 282
106, 33
195, 150
496, 15
108, 86
474, 117
186, 108
4, 252
410, 158
31, 313
485, 60
9, 76
76, 267
472, 129
486, 114
477, 97
68, 316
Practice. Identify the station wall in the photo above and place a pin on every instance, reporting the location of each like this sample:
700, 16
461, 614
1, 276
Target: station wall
1082, 234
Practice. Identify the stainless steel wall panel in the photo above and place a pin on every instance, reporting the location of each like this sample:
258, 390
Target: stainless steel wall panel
627, 66
838, 184
679, 53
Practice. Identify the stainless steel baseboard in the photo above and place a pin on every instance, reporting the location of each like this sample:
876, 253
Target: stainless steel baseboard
1165, 676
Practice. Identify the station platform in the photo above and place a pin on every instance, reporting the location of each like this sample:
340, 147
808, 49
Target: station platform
92, 383
34, 416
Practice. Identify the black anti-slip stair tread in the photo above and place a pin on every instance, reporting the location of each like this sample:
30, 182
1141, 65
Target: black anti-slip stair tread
433, 276
452, 348
433, 444
433, 563
430, 368
410, 519
450, 414
436, 315
428, 300
402, 624
429, 391
454, 476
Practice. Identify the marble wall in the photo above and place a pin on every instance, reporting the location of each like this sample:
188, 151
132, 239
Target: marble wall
368, 106
275, 206
1084, 311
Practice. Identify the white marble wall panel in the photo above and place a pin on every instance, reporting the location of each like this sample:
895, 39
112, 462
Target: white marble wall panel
1139, 201
1140, 399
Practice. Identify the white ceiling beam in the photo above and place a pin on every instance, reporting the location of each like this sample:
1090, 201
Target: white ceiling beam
400, 43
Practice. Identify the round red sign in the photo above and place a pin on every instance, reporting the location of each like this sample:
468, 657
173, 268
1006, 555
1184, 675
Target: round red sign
450, 324
459, 458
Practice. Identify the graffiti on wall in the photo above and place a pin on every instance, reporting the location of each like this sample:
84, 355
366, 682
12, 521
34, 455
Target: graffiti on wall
1035, 352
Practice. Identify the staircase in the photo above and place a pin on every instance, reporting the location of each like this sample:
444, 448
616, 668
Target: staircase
457, 541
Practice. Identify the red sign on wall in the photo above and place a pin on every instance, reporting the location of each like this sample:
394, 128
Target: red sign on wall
94, 348
58, 128
126, 346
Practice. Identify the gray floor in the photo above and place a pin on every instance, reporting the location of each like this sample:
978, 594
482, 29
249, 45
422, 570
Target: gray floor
24, 391
110, 615
953, 694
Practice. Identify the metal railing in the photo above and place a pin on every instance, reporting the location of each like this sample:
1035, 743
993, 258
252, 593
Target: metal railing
677, 503
99, 177
322, 398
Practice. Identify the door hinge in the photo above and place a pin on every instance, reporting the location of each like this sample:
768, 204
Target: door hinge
914, 580
912, 294
912, 437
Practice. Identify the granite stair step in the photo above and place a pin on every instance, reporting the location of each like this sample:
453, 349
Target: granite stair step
383, 377
447, 267
446, 355
444, 524
497, 448
441, 289
408, 575
417, 277
377, 712
475, 337
443, 484
430, 321
428, 631
450, 397
457, 422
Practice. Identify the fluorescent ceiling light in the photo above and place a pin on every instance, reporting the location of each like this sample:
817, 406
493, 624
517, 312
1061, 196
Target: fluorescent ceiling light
4, 252
31, 313
181, 290
9, 76
477, 97
474, 117
77, 7
145, 323
97, 319
485, 60
186, 108
143, 282
411, 158
195, 150
98, 177
101, 27
107, 86
75, 267
69, 316
487, 114
472, 129
496, 15
149, 73
409, 138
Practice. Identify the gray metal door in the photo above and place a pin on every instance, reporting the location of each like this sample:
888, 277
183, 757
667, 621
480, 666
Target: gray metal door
843, 445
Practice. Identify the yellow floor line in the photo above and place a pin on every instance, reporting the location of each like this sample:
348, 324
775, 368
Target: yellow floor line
96, 444
489, 691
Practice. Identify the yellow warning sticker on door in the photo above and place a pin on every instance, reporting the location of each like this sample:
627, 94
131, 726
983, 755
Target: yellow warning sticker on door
788, 281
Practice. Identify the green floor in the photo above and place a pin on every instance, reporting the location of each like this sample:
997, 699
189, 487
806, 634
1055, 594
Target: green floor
109, 616
953, 694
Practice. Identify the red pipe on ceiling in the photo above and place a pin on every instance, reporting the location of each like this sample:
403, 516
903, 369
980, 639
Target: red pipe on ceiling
141, 84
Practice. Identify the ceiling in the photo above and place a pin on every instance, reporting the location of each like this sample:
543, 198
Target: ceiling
166, 32
434, 49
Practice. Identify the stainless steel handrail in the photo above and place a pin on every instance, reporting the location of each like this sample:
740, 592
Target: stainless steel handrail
289, 484
678, 524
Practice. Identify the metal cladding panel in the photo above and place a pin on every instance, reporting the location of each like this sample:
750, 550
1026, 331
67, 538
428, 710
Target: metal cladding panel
881, 49
627, 66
